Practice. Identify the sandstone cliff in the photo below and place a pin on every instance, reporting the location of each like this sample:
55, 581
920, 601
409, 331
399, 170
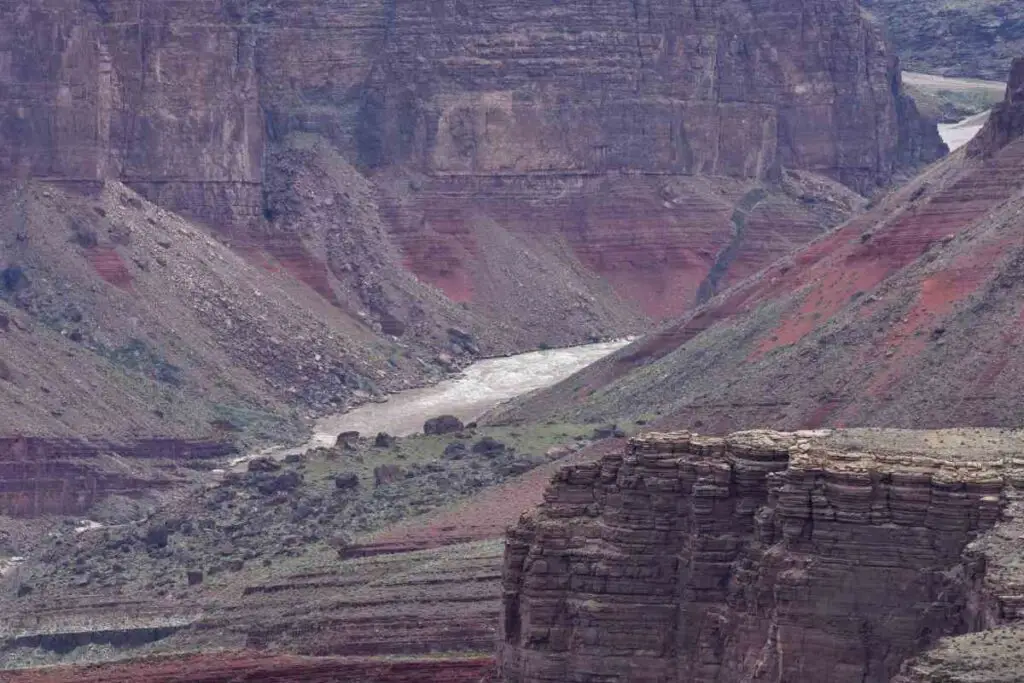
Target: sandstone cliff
761, 556
502, 141
905, 316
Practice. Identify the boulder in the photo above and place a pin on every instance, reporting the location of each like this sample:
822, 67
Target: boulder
346, 481
264, 465
157, 536
489, 446
455, 451
387, 474
384, 440
346, 439
287, 481
443, 424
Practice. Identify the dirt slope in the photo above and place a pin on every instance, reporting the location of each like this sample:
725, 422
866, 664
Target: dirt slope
119, 319
907, 316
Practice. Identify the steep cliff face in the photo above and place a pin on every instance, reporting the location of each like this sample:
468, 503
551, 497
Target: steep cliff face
485, 126
905, 316
761, 556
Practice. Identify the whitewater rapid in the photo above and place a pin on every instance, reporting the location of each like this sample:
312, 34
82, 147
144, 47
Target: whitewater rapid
478, 388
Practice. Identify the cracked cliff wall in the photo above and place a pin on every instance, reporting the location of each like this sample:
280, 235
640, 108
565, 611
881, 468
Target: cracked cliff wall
759, 557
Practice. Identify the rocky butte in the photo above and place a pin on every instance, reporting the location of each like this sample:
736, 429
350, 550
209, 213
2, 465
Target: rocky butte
763, 556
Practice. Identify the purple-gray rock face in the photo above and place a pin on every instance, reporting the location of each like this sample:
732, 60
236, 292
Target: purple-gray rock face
479, 122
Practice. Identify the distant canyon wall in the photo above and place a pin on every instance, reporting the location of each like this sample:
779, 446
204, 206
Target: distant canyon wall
478, 122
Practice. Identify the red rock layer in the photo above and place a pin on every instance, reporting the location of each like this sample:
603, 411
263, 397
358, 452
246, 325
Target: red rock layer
759, 556
54, 477
231, 667
402, 604
906, 316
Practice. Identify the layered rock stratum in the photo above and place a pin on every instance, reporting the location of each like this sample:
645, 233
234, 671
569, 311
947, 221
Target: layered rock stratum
907, 316
763, 556
504, 144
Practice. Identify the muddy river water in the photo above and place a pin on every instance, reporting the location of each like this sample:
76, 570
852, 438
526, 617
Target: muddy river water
479, 387
488, 382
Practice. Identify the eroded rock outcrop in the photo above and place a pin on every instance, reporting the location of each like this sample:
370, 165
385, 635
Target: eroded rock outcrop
761, 556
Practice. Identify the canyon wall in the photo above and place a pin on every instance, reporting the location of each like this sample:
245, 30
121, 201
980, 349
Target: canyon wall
760, 556
484, 126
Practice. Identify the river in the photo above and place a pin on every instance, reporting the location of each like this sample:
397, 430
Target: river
958, 134
486, 383
480, 387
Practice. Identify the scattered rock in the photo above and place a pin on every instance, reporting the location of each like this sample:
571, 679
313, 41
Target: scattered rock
489, 446
264, 465
346, 439
347, 481
443, 424
455, 451
608, 432
387, 474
